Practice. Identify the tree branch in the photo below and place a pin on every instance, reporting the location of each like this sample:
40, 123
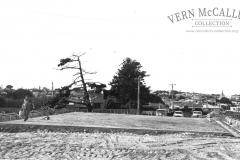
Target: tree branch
93, 98
88, 72
75, 55
68, 68
76, 74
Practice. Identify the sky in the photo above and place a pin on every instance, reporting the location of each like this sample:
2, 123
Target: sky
35, 35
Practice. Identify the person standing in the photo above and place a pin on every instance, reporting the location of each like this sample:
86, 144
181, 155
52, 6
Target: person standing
26, 107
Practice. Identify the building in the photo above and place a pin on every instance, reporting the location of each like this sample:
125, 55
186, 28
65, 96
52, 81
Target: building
191, 105
77, 95
36, 92
235, 97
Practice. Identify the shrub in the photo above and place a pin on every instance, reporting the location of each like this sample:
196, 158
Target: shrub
2, 102
12, 103
131, 105
40, 101
109, 103
17, 103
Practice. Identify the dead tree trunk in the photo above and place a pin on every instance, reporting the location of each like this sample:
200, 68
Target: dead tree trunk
86, 95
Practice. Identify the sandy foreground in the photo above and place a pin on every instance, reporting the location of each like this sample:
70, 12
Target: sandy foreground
56, 145
52, 141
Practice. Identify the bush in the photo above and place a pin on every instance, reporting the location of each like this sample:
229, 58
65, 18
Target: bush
148, 109
17, 103
40, 101
20, 94
131, 105
12, 103
109, 103
2, 102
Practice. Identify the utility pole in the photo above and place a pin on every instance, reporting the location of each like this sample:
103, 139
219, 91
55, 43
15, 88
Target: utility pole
52, 90
192, 100
138, 98
172, 96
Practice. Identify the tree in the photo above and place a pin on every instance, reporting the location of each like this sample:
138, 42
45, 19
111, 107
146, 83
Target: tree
225, 100
2, 102
170, 97
153, 98
161, 93
109, 103
21, 93
97, 88
125, 82
63, 98
9, 87
9, 90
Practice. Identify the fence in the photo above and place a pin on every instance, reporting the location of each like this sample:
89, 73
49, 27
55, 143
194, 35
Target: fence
9, 117
15, 116
50, 111
114, 111
233, 114
9, 110
149, 113
33, 113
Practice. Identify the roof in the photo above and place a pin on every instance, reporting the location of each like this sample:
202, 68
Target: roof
191, 104
157, 105
97, 97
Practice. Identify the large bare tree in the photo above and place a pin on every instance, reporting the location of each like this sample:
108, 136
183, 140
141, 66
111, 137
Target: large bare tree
63, 98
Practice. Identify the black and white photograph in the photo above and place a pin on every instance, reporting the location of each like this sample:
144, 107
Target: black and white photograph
119, 80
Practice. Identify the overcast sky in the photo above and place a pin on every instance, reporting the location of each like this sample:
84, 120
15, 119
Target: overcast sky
35, 35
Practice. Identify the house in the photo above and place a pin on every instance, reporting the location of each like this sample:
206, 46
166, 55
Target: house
235, 109
96, 99
235, 97
236, 102
166, 101
191, 105
216, 95
43, 92
36, 92
155, 106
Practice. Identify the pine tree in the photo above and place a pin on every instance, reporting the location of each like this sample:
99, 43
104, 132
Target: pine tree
125, 82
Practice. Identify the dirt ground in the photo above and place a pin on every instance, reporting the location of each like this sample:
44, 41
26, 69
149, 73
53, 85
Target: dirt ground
126, 121
58, 143
125, 146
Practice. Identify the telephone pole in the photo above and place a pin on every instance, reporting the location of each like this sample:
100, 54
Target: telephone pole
172, 96
52, 90
138, 97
